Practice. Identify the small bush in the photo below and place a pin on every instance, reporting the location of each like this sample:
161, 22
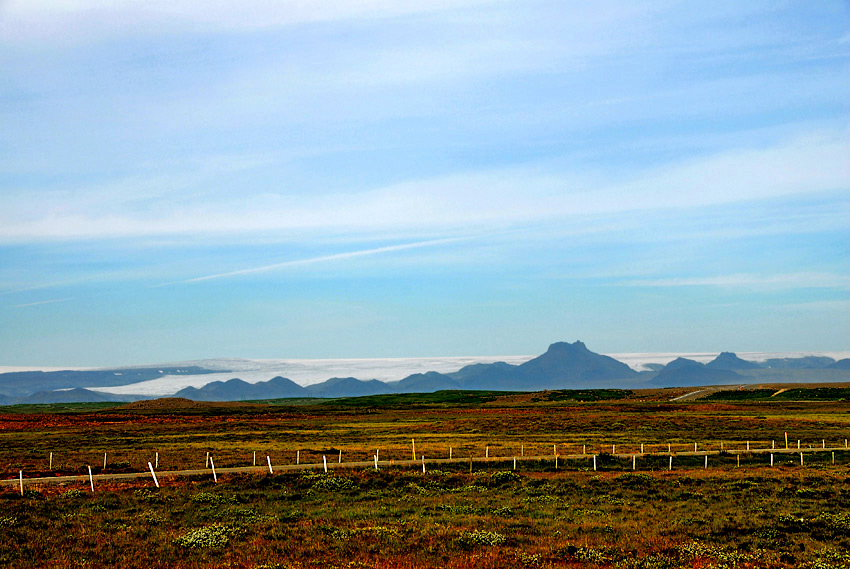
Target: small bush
209, 537
333, 484
213, 499
504, 477
480, 538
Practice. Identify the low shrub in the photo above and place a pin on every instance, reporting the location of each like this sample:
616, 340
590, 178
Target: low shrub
480, 538
209, 537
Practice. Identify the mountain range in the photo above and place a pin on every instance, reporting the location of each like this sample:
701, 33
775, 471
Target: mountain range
563, 366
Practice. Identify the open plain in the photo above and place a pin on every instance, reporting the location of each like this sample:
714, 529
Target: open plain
721, 506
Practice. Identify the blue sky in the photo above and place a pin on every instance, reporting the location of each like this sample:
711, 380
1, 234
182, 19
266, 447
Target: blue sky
365, 178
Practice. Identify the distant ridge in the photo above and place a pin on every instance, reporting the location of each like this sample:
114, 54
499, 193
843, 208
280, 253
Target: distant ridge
238, 390
347, 387
564, 365
730, 361
683, 372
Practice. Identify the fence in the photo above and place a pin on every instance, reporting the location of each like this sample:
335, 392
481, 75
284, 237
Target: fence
642, 456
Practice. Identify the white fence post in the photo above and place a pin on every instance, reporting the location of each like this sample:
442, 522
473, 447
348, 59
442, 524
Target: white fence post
155, 481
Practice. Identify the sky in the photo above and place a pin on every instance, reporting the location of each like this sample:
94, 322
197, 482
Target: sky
369, 179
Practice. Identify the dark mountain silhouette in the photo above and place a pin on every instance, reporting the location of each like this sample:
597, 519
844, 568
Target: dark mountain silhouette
567, 365
563, 366
840, 364
347, 387
679, 363
77, 395
804, 362
423, 383
23, 383
238, 390
495, 376
683, 372
730, 361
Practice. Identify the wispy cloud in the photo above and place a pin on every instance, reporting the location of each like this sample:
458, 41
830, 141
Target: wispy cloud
94, 19
39, 303
322, 259
782, 281
483, 199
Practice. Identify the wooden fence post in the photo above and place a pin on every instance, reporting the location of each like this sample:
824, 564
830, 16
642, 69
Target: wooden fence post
325, 461
21, 473
413, 445
269, 461
51, 461
212, 465
91, 481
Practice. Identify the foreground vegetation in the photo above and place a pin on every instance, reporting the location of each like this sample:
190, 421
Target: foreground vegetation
729, 515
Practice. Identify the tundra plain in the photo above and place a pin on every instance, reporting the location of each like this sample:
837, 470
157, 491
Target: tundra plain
632, 511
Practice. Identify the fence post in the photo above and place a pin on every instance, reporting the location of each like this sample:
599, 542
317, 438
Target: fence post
594, 463
91, 481
155, 481
212, 465
670, 467
22, 482
269, 461
51, 461
325, 461
413, 444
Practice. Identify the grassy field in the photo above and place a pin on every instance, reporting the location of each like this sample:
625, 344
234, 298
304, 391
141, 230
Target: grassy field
750, 515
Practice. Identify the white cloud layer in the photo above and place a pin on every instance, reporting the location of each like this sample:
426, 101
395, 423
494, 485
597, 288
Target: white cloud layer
488, 199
